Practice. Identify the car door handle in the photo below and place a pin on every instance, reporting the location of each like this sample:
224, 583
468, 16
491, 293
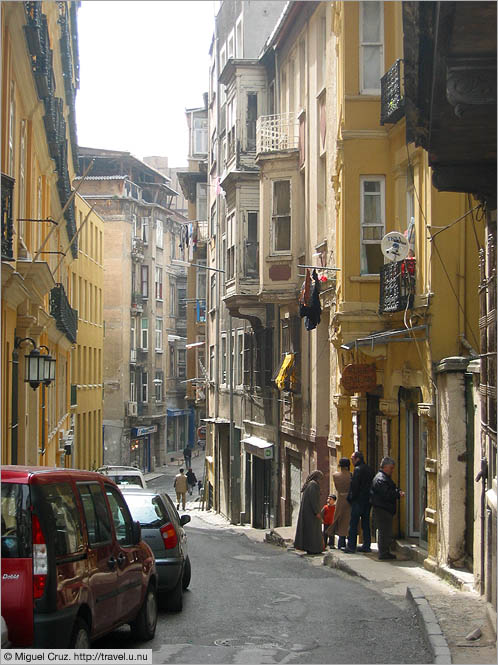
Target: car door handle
121, 559
111, 563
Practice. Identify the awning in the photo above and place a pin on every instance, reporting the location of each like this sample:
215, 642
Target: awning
259, 447
284, 371
220, 421
194, 344
385, 336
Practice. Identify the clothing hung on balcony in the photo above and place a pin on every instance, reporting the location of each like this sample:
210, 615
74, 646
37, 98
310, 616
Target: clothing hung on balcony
285, 378
309, 301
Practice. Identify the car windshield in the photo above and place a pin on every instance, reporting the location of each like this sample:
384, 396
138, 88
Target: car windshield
121, 479
16, 521
147, 509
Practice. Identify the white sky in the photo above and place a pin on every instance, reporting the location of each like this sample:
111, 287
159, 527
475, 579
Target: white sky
141, 65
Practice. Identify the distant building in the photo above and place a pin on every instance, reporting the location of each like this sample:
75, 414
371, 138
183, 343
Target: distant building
179, 203
145, 415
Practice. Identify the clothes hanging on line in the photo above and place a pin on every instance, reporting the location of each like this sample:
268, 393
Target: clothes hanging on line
310, 309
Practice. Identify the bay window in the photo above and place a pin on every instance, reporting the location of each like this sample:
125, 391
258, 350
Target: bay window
281, 216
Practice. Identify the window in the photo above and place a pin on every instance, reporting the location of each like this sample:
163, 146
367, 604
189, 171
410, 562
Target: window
281, 216
201, 281
223, 377
212, 226
302, 73
145, 229
173, 246
252, 246
144, 333
321, 53
12, 127
201, 201
97, 518
231, 45
172, 298
200, 136
144, 387
120, 516
230, 261
371, 46
171, 360
22, 178
182, 303
212, 295
159, 283
144, 281
159, 334
240, 356
239, 39
159, 234
63, 516
372, 223
223, 57
16, 521
231, 111
158, 386
181, 365
211, 364
251, 118
133, 388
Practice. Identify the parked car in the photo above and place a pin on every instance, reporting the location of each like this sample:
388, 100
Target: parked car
124, 475
162, 529
74, 565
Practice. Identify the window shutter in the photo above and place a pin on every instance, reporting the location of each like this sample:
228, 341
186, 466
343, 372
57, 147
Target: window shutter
247, 359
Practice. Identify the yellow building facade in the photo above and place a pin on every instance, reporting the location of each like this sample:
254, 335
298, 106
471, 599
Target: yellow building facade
38, 161
87, 382
406, 330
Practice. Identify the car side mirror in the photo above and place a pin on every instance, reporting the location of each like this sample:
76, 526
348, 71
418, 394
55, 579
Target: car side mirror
184, 519
136, 532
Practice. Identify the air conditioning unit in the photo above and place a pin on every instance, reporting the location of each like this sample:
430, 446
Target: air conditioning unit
132, 409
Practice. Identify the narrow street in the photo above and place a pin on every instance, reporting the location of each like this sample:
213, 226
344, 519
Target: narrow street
250, 602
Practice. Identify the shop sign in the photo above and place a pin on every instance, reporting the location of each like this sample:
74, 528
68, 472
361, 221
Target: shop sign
268, 453
143, 431
359, 378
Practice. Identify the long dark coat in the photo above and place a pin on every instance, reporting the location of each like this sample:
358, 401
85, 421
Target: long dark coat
342, 483
309, 528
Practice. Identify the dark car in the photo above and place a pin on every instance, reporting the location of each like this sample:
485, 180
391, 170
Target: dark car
74, 565
162, 529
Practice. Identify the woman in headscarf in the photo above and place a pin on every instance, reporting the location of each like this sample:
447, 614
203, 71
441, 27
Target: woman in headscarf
309, 523
342, 483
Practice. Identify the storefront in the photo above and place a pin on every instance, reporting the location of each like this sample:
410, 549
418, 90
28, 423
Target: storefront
140, 446
177, 428
258, 461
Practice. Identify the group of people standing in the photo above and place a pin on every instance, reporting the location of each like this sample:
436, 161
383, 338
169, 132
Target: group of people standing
356, 494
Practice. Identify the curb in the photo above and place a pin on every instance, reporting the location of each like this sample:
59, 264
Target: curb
335, 562
274, 538
430, 626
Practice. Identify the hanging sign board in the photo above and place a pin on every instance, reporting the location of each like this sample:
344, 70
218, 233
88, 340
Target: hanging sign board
358, 377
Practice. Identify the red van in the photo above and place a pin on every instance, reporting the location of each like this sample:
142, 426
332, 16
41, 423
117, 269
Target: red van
74, 566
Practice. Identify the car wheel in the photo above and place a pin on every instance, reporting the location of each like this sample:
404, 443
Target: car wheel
187, 574
80, 638
173, 600
144, 626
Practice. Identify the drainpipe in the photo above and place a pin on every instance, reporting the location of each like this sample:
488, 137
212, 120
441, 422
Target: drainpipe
15, 407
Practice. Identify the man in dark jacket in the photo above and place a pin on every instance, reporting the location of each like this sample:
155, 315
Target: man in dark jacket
359, 498
383, 497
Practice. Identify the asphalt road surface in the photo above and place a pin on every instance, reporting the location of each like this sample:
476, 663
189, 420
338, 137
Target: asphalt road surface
252, 602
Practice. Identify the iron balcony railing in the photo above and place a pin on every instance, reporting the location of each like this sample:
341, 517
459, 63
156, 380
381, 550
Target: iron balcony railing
7, 220
392, 103
397, 286
277, 132
65, 316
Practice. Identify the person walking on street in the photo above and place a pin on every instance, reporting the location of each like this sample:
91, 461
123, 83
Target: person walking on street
181, 487
309, 522
187, 455
342, 483
383, 497
359, 498
328, 511
191, 480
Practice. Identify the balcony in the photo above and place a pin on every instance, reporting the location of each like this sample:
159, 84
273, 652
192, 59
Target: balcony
392, 102
137, 303
65, 316
7, 221
137, 249
277, 132
133, 356
397, 286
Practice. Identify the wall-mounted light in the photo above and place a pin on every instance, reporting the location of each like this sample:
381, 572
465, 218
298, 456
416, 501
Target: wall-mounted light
38, 367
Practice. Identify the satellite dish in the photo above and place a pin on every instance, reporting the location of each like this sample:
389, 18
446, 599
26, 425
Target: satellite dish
395, 246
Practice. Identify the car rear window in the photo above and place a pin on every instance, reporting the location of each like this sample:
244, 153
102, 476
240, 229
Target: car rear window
148, 510
65, 517
126, 480
16, 521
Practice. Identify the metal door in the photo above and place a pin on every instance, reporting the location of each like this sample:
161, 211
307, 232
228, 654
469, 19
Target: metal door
294, 488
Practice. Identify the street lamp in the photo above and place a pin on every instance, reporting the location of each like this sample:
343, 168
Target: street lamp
49, 366
38, 367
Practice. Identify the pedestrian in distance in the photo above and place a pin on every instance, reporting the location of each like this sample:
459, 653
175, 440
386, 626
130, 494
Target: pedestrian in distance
328, 511
181, 487
309, 522
187, 455
342, 484
383, 496
191, 480
359, 498
199, 486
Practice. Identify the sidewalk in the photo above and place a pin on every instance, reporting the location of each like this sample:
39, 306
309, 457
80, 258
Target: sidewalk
447, 614
175, 461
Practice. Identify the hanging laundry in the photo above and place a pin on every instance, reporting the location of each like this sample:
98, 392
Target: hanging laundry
284, 372
304, 296
311, 311
190, 242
